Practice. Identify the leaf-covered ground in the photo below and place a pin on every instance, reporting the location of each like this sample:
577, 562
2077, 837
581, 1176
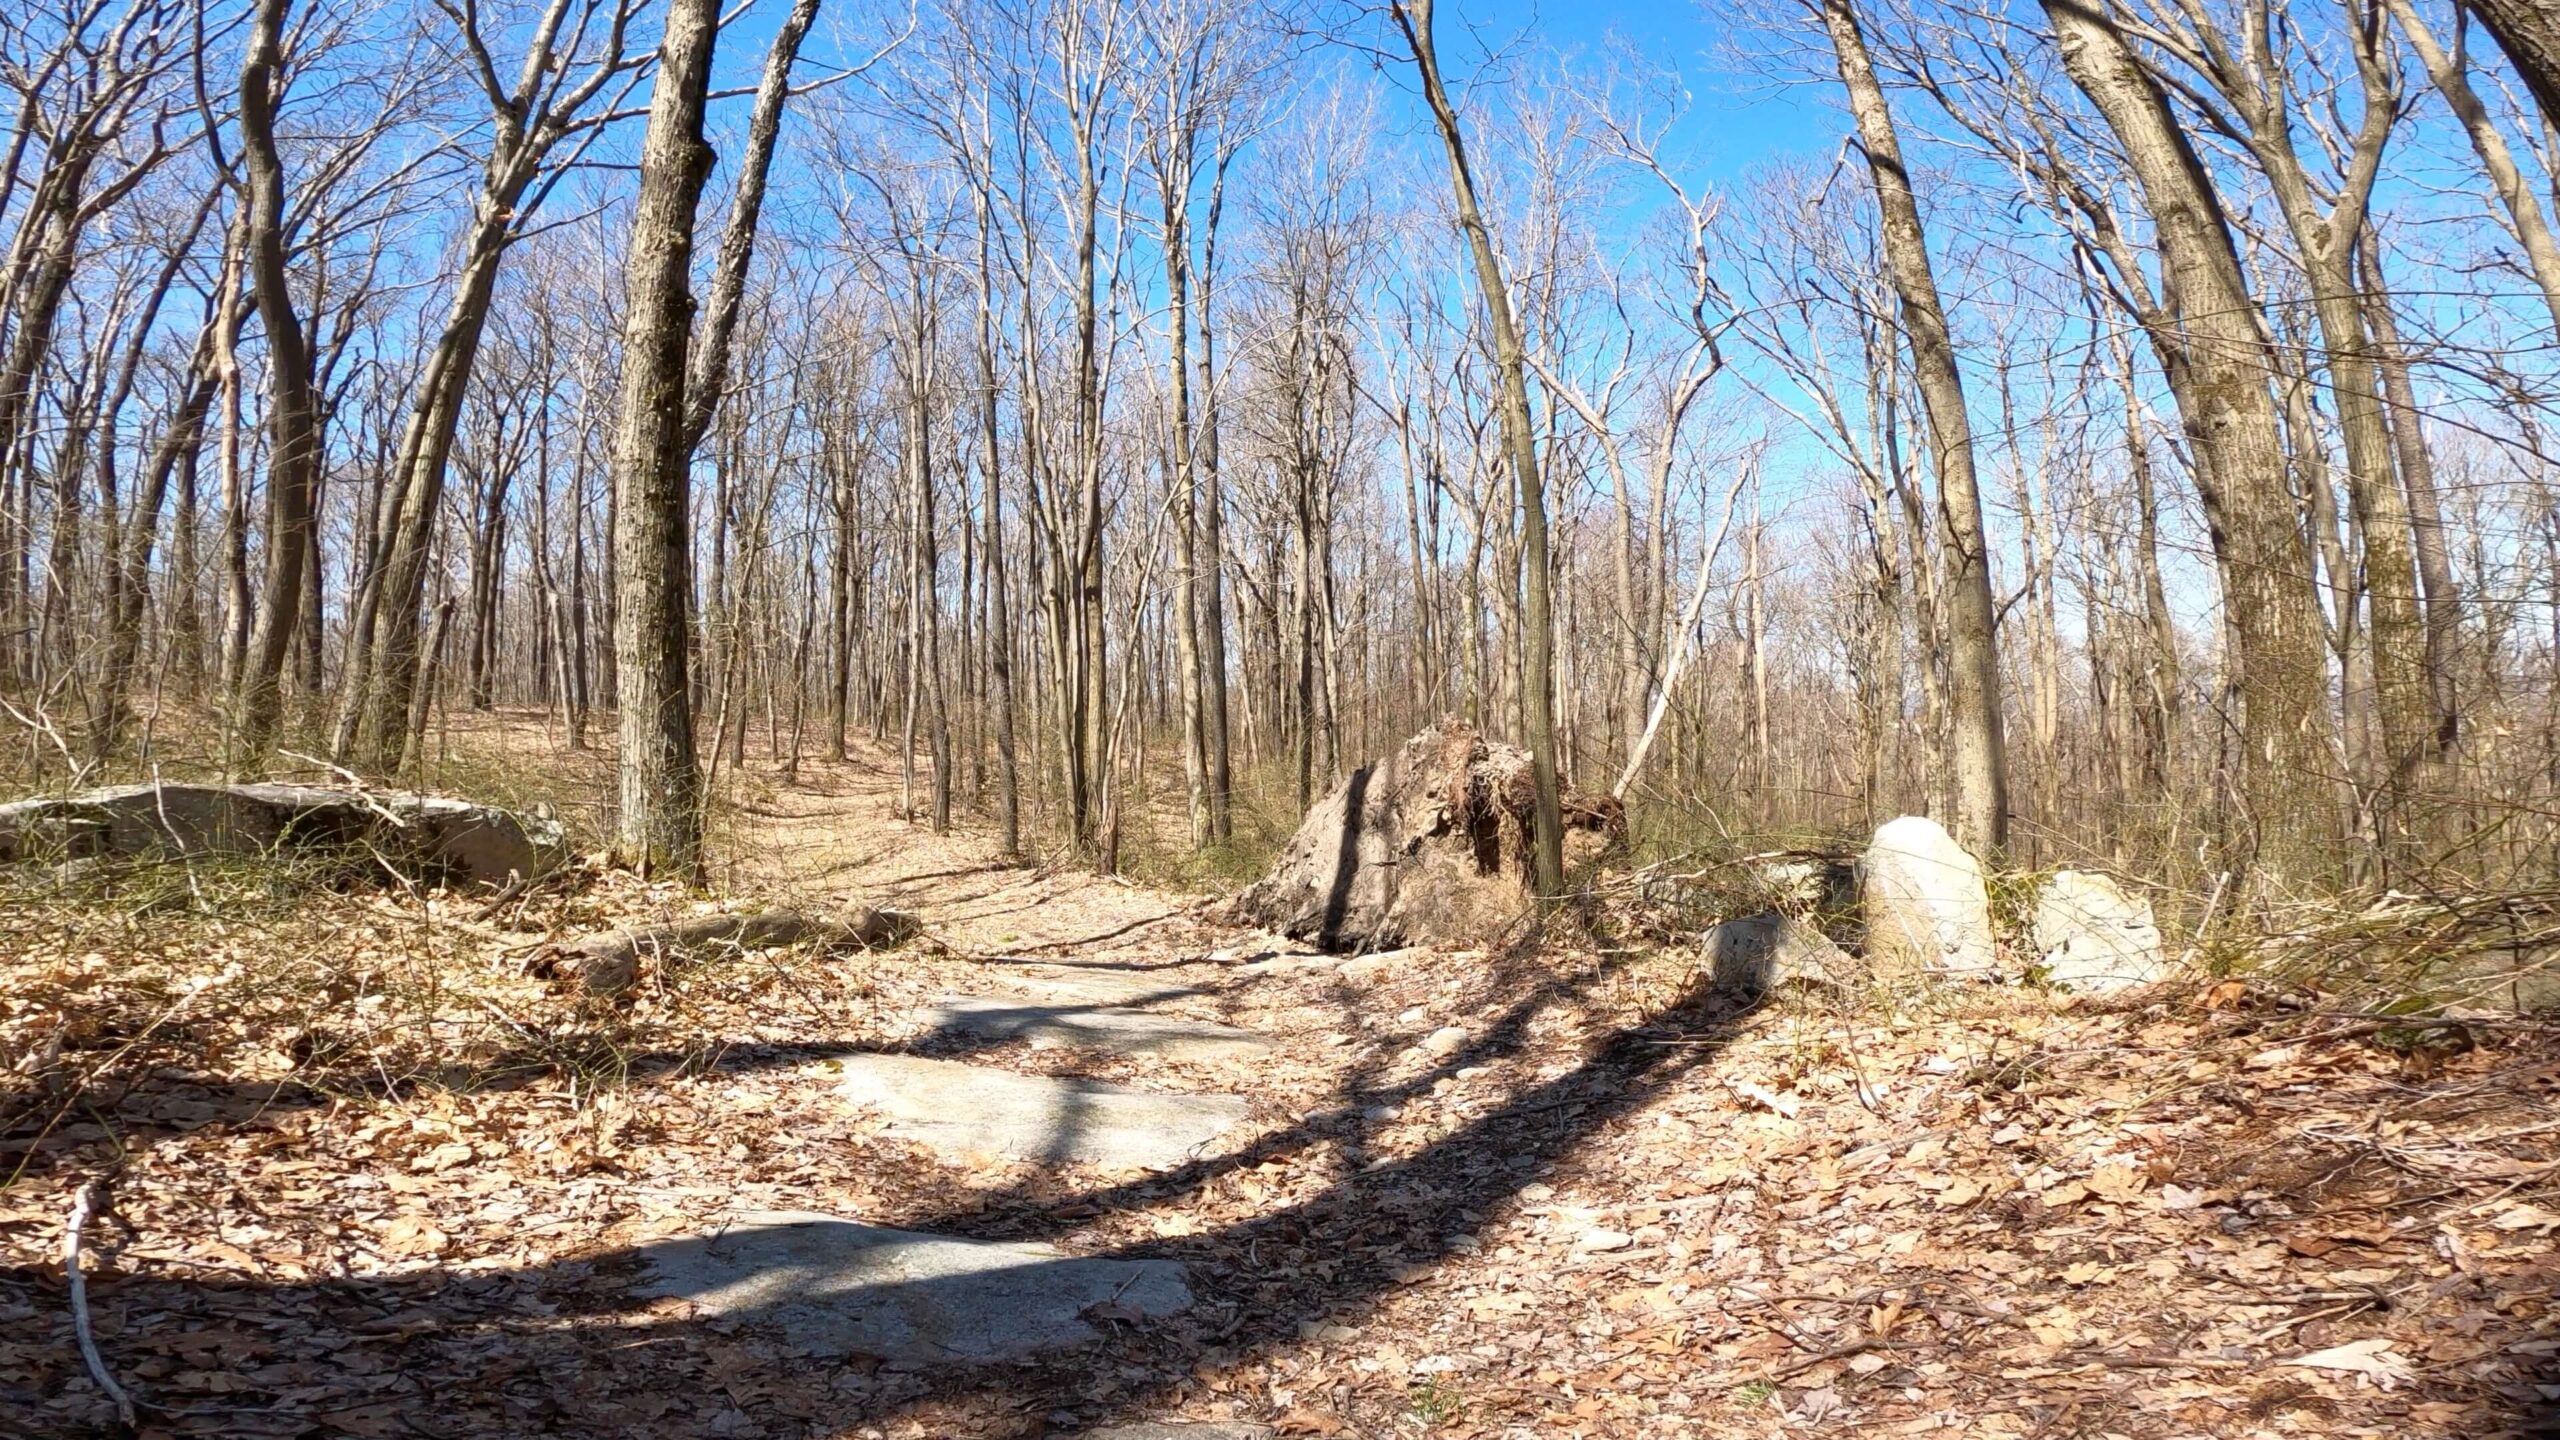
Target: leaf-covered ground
374, 1173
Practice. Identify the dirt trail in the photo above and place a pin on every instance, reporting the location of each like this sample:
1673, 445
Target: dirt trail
834, 832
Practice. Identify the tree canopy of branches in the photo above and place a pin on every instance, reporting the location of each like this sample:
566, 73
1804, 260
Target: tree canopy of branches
2122, 429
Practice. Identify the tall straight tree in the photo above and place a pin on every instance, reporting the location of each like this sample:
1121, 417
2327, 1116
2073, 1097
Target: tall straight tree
660, 816
1978, 762
2214, 351
1538, 702
671, 391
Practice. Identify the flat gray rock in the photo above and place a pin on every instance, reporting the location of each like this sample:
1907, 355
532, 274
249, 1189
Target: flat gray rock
1180, 1430
973, 1110
1088, 984
1091, 1027
1759, 953
838, 1286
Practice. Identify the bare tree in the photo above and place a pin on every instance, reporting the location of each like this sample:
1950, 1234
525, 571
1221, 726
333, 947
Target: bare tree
1413, 18
1979, 756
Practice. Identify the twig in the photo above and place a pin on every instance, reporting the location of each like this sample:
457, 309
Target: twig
1858, 1346
91, 1200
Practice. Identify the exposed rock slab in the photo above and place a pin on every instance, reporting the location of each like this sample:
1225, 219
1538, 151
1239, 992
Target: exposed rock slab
2094, 939
974, 1111
1181, 1431
838, 1286
1428, 845
1922, 900
1088, 984
1756, 954
430, 836
1091, 1027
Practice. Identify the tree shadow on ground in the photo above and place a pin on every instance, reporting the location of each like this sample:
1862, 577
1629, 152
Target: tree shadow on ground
574, 1347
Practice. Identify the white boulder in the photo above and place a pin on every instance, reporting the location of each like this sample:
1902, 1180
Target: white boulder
2094, 939
1922, 900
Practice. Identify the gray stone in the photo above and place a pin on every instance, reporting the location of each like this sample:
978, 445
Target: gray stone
972, 1110
1090, 1027
841, 1287
1088, 984
431, 836
1180, 1430
1923, 903
2094, 939
1756, 954
1446, 1041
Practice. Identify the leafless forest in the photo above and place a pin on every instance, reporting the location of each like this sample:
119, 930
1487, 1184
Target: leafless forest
2118, 428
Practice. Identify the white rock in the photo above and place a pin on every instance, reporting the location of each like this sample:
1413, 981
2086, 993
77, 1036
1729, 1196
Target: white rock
1922, 899
1592, 1242
2093, 938
1445, 1041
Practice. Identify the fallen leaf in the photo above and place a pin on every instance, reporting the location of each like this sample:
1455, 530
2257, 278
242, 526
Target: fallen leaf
1761, 1095
413, 1235
2374, 1359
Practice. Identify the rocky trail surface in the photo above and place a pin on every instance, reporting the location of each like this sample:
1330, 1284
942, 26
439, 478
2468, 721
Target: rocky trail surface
1082, 1161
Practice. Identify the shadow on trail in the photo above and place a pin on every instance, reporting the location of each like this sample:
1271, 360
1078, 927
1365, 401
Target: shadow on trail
576, 1347
449, 1355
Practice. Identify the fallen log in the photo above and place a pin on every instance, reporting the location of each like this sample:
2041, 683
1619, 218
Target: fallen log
426, 837
610, 963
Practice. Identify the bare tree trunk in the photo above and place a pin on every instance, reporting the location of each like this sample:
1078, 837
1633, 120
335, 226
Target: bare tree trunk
1217, 754
660, 820
2161, 666
2426, 506
1978, 760
1538, 663
292, 408
2216, 359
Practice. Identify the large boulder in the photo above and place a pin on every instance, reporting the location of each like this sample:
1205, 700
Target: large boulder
1923, 903
1429, 845
429, 836
2094, 939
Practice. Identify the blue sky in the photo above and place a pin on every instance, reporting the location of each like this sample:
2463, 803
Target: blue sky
1738, 114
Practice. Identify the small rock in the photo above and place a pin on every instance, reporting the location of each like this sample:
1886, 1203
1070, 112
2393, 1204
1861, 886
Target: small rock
1592, 1242
1368, 969
1445, 1041
1537, 1193
1754, 955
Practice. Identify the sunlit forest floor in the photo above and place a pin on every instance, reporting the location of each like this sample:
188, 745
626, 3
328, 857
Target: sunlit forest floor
380, 1170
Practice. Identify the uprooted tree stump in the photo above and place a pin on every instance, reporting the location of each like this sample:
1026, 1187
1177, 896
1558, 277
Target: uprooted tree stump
610, 963
422, 836
1429, 845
